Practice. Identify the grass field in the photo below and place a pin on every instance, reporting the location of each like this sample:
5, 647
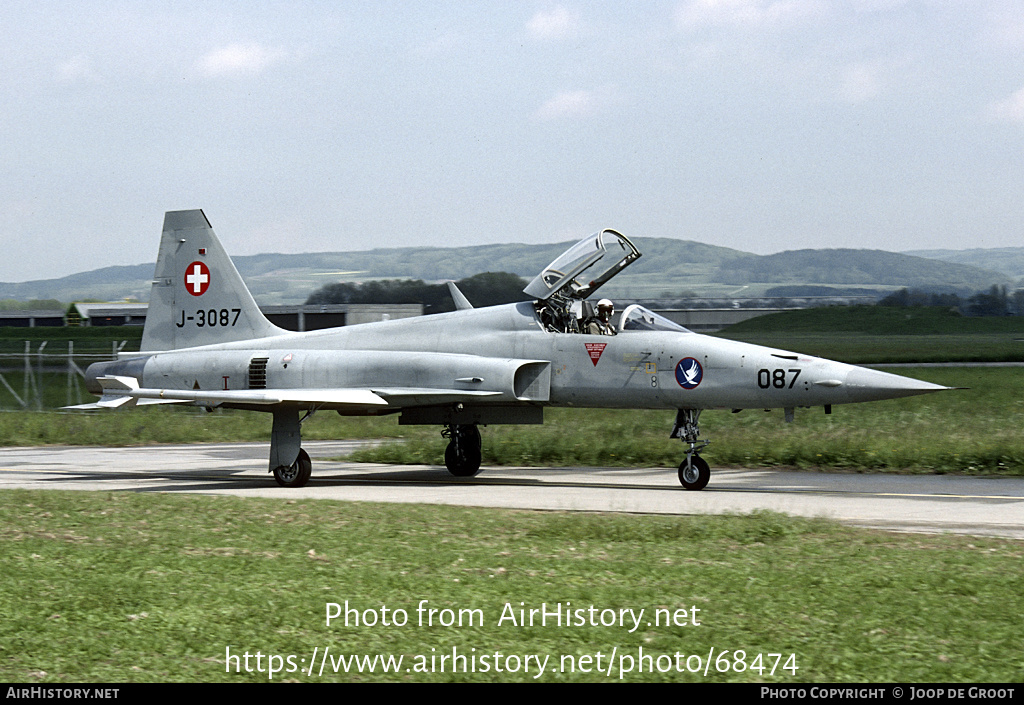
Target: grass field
121, 587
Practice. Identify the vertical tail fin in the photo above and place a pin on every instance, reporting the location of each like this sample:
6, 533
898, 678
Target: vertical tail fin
198, 297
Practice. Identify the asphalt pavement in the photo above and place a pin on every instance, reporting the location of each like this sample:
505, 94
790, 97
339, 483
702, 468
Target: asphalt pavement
921, 503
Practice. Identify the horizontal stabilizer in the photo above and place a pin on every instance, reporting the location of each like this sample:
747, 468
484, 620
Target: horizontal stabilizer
107, 401
113, 383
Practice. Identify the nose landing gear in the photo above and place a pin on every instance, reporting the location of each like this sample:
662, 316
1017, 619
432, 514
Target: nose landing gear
694, 472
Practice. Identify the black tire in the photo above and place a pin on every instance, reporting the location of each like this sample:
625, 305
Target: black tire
463, 455
695, 477
297, 474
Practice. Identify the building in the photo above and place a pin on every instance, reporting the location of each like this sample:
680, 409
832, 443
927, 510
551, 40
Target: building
709, 320
316, 316
31, 319
107, 314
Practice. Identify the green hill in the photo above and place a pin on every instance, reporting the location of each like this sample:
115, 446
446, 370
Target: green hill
1007, 260
668, 268
855, 267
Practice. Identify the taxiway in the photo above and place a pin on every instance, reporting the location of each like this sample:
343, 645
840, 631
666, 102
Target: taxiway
922, 503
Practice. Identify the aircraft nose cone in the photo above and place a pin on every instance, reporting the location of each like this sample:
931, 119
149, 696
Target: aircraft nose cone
863, 384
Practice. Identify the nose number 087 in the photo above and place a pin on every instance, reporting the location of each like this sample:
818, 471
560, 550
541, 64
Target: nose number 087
778, 378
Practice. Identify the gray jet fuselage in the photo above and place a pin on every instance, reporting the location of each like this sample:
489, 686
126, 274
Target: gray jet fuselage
634, 369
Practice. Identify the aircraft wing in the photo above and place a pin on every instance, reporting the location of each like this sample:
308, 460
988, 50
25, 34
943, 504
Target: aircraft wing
125, 391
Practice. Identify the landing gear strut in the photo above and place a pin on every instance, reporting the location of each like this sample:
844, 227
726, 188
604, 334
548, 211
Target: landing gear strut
694, 472
463, 454
288, 461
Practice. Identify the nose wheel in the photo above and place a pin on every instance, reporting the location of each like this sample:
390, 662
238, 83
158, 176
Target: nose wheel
694, 472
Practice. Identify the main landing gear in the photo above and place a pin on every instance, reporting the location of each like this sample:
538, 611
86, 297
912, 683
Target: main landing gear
694, 472
463, 454
288, 461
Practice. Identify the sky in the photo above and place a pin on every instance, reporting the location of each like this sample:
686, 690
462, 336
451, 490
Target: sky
760, 125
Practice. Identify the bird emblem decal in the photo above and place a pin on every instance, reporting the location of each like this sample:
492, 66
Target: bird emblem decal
689, 373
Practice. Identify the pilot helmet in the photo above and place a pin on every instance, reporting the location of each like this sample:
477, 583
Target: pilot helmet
605, 304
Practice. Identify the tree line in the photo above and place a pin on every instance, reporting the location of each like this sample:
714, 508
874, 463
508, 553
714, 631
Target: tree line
486, 289
997, 301
493, 288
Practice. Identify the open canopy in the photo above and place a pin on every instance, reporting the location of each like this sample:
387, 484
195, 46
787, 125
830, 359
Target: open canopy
583, 268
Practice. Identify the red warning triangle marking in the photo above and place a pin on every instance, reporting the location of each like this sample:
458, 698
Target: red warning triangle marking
595, 350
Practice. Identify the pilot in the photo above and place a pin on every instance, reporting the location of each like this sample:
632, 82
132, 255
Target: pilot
602, 324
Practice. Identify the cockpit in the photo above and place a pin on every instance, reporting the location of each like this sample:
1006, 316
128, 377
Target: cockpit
562, 288
637, 318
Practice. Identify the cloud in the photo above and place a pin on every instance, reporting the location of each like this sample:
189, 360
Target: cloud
557, 23
569, 104
77, 68
238, 59
860, 83
1004, 28
694, 14
1010, 109
442, 44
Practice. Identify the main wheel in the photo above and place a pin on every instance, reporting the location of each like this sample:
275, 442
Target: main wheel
696, 476
463, 454
297, 474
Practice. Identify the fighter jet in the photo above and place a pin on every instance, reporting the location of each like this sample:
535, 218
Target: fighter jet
206, 343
